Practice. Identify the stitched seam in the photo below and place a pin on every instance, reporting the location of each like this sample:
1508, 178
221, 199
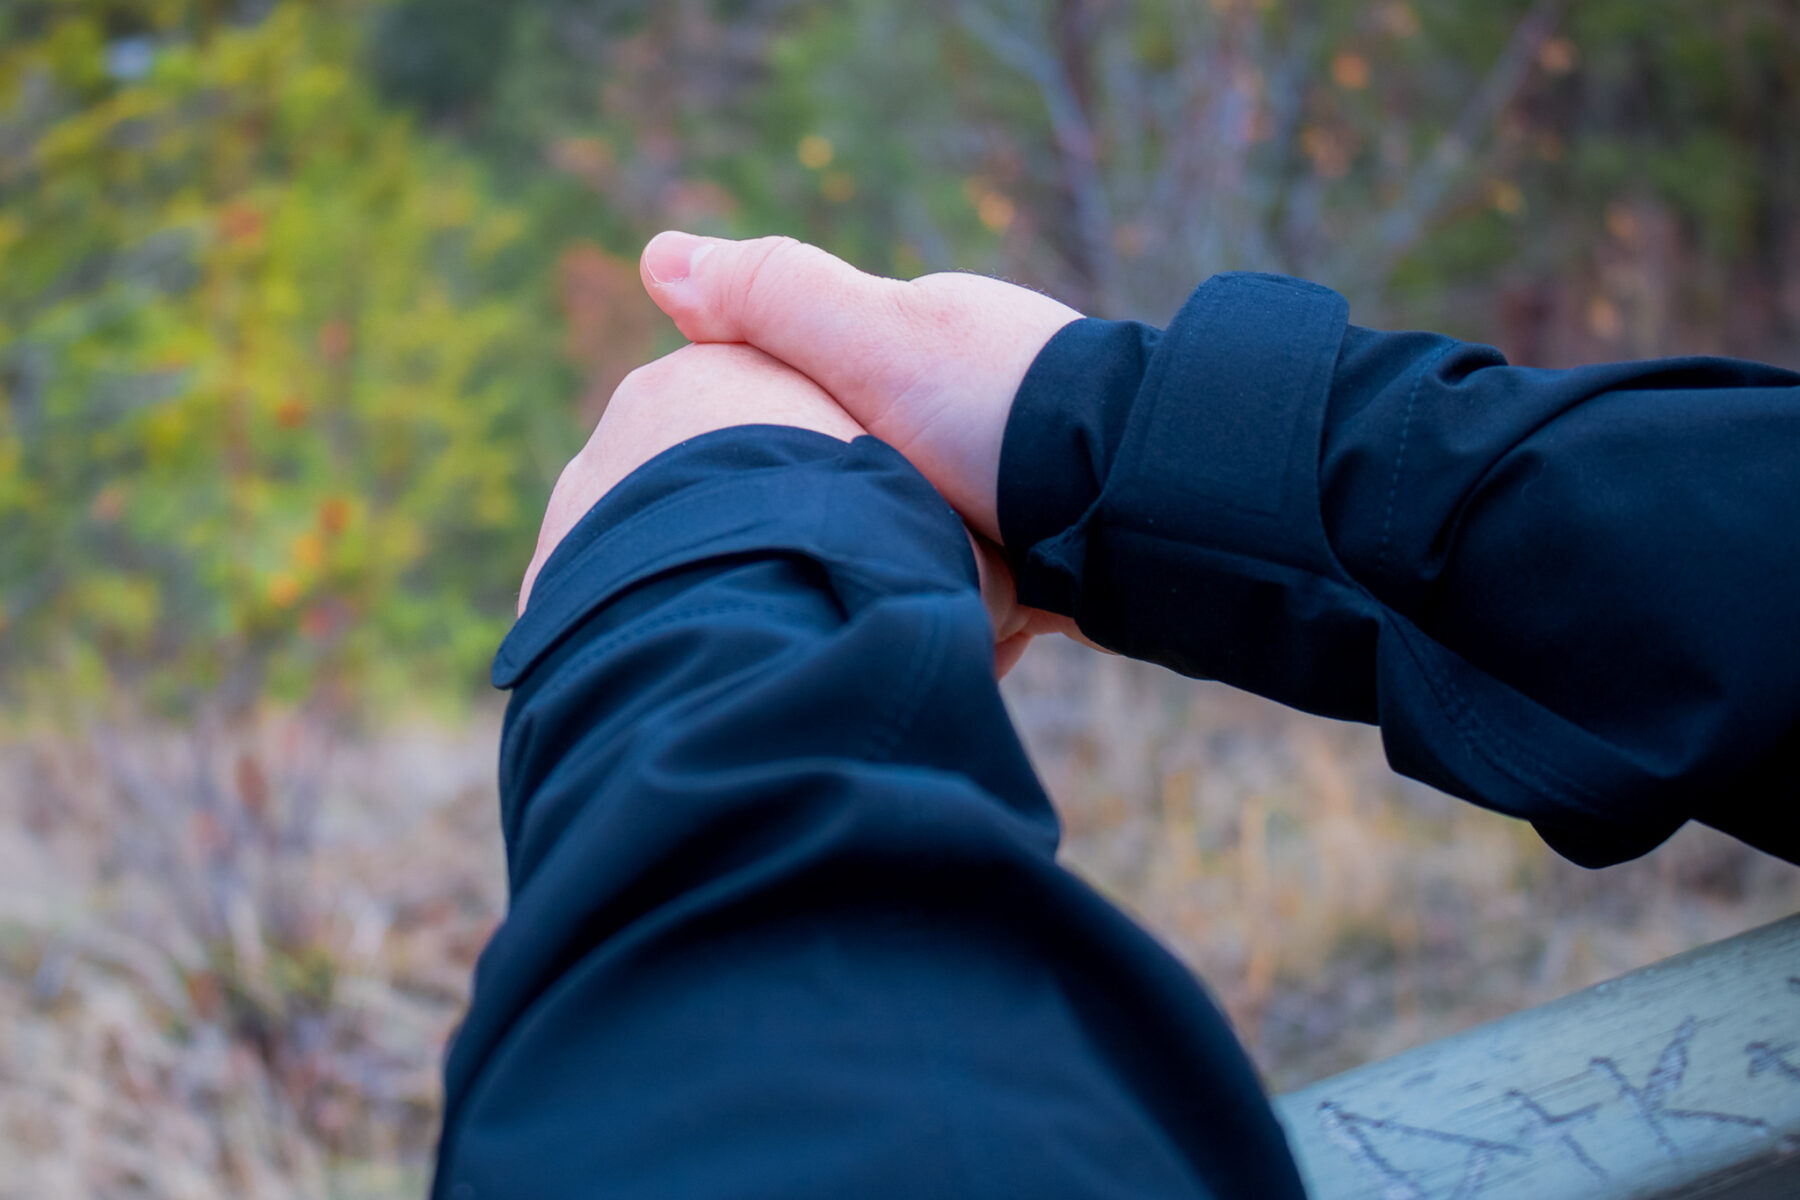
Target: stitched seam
1387, 520
672, 559
689, 494
880, 743
686, 497
1501, 751
579, 663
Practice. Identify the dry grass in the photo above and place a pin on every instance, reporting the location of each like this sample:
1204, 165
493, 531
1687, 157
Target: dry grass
1340, 912
230, 957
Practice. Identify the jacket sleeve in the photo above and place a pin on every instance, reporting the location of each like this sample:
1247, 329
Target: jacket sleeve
1571, 596
785, 918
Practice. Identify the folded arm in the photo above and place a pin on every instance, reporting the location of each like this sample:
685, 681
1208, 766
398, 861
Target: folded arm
785, 916
1567, 595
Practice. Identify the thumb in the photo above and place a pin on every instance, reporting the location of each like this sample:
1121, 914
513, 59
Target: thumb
930, 367
795, 302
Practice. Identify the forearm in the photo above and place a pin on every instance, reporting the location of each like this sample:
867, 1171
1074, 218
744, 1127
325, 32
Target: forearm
786, 919
1563, 594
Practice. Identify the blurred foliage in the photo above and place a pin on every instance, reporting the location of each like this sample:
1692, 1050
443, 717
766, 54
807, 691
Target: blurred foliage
303, 304
1438, 163
280, 377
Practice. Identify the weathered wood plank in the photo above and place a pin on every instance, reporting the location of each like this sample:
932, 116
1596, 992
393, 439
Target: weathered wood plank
1679, 1080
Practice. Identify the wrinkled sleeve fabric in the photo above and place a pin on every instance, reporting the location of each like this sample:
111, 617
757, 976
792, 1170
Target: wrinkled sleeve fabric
785, 919
1572, 596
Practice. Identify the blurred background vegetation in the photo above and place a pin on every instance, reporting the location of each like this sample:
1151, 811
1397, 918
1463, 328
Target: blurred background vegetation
304, 305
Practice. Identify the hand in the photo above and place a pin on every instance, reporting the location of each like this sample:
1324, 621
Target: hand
680, 396
930, 366
699, 389
1014, 624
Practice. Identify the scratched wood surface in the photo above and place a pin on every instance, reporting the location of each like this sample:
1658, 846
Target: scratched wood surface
1679, 1080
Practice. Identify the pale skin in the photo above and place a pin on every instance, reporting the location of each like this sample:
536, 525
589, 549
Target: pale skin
786, 334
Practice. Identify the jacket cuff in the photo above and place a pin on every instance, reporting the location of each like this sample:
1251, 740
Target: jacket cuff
1206, 510
858, 509
1062, 435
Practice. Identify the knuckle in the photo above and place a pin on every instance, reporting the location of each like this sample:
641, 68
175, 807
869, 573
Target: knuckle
647, 376
766, 269
633, 383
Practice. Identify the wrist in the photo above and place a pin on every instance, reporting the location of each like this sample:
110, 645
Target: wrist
1063, 431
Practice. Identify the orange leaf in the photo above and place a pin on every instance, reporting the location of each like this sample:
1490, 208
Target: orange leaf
334, 516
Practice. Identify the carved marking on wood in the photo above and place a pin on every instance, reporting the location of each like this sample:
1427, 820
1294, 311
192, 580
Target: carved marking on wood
1540, 1126
1767, 1057
1356, 1134
1764, 1057
1651, 1102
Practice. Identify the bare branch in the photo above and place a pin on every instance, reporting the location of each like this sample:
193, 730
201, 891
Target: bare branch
1401, 228
1076, 148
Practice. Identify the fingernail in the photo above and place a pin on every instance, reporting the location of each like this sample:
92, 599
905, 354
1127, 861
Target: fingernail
672, 256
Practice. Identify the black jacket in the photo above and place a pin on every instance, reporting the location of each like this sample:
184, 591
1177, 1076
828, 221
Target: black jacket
785, 917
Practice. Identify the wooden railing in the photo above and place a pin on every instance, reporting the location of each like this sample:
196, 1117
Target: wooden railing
1679, 1080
